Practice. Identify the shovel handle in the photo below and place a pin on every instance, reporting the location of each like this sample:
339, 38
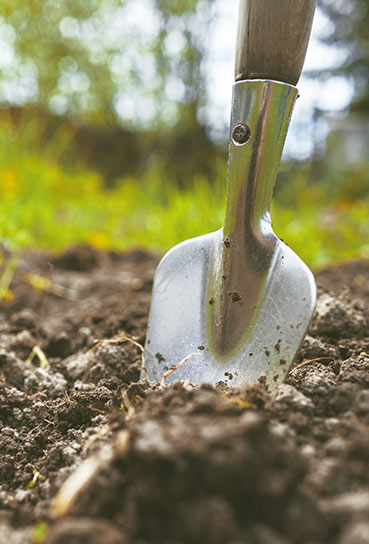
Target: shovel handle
272, 38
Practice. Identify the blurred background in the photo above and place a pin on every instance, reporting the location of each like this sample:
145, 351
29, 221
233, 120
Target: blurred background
114, 126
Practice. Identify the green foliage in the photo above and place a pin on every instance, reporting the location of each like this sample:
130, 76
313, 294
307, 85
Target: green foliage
8, 267
326, 221
349, 30
39, 532
44, 206
99, 59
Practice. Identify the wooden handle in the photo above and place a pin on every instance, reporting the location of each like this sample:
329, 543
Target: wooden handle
272, 39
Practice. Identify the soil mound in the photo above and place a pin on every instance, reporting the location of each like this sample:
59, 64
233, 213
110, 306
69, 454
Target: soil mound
129, 462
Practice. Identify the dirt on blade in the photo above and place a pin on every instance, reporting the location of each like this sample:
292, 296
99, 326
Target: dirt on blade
133, 463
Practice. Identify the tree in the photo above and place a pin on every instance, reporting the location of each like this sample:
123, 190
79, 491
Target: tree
136, 64
106, 58
350, 31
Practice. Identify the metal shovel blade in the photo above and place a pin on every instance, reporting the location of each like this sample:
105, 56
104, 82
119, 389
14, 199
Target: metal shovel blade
234, 305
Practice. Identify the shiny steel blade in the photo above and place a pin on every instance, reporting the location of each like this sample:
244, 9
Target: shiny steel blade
234, 305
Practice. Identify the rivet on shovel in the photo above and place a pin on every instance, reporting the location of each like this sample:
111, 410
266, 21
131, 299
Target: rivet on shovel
241, 134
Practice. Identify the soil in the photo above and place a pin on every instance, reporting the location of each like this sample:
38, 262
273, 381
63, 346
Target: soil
90, 454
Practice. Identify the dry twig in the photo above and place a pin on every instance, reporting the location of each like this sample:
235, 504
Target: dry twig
173, 369
80, 479
104, 431
120, 339
308, 362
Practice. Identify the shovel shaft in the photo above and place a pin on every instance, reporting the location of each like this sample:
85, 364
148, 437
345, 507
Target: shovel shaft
264, 108
272, 39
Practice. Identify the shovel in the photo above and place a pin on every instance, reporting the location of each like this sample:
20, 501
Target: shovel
233, 306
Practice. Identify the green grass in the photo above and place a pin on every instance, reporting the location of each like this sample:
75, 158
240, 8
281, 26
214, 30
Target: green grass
44, 206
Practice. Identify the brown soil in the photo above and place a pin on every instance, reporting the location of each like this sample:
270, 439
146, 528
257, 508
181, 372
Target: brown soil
174, 464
